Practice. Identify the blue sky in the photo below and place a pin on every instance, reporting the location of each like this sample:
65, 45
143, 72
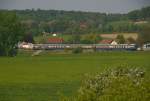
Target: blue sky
109, 6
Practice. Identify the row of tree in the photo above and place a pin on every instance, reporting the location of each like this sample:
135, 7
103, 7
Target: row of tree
142, 14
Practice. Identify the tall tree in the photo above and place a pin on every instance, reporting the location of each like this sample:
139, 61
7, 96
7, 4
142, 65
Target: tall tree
144, 36
10, 33
121, 39
28, 38
91, 39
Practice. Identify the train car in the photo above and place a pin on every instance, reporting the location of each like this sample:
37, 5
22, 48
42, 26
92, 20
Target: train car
116, 47
37, 47
146, 47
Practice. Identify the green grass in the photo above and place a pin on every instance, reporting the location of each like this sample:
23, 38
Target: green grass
42, 78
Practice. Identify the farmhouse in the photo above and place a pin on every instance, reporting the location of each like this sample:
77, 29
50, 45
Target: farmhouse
25, 45
140, 22
108, 41
55, 40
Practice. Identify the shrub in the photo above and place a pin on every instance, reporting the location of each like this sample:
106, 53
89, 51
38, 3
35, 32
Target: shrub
77, 50
119, 84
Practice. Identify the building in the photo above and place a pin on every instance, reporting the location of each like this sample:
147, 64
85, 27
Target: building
140, 22
25, 45
55, 40
108, 41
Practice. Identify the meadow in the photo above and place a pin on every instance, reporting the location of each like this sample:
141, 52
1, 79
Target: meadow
46, 77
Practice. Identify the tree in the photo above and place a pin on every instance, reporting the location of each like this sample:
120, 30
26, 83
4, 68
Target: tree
144, 36
28, 38
77, 50
131, 40
75, 39
91, 39
121, 39
123, 83
11, 33
134, 15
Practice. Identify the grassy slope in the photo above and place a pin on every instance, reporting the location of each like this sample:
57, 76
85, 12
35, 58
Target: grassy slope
104, 36
26, 78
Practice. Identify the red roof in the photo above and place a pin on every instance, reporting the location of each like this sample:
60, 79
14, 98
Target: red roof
106, 41
55, 40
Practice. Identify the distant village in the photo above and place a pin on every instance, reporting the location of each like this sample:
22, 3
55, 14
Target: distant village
108, 42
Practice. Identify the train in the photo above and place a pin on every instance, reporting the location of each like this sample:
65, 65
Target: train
146, 47
99, 47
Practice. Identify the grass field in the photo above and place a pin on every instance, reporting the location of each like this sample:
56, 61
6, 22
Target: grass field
43, 78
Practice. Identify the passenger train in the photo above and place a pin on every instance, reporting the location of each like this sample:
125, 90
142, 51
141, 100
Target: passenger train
85, 46
146, 47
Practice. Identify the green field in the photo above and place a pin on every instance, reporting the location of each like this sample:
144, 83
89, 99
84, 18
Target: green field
44, 78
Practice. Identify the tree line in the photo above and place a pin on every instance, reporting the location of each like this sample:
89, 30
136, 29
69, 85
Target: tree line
77, 22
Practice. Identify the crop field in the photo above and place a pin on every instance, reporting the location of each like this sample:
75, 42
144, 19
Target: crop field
46, 77
114, 36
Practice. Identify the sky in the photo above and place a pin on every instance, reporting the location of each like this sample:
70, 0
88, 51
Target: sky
108, 6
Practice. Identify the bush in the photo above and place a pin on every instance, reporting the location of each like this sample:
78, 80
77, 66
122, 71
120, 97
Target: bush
121, 39
77, 50
119, 84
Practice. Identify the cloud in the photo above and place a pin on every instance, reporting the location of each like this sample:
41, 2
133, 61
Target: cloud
4, 3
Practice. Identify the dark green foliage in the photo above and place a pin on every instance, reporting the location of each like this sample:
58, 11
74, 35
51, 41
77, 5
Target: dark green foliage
28, 38
77, 50
124, 83
134, 15
121, 26
90, 39
142, 14
144, 36
75, 39
10, 33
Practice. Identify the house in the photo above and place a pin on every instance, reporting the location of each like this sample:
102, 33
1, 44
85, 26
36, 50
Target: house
24, 45
55, 40
108, 41
140, 22
114, 42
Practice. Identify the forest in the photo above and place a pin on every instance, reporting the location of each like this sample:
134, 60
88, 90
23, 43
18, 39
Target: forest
36, 21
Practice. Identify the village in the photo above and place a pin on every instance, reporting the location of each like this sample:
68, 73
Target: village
109, 42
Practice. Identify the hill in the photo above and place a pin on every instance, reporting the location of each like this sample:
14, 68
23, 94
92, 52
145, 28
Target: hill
77, 22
